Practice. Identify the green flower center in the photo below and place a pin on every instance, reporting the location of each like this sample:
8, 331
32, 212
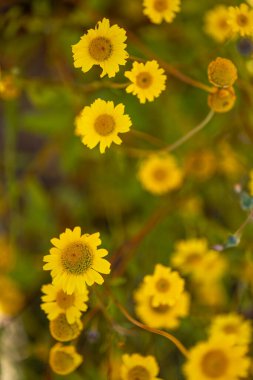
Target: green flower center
64, 300
160, 5
144, 80
104, 124
138, 373
100, 49
214, 363
77, 258
162, 285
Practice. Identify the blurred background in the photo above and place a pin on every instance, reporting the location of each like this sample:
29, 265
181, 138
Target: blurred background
50, 181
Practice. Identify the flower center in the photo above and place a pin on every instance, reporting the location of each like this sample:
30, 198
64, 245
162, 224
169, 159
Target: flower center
144, 80
138, 373
192, 258
161, 309
242, 20
230, 329
104, 124
160, 5
100, 49
61, 330
214, 363
61, 361
77, 258
159, 174
162, 285
64, 300
222, 24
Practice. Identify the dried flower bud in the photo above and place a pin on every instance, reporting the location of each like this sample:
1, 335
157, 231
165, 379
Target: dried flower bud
222, 72
222, 100
63, 331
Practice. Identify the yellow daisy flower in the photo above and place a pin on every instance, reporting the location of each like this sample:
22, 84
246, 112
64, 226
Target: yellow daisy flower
140, 367
162, 316
212, 267
101, 123
250, 185
233, 325
148, 80
217, 359
64, 359
160, 174
164, 286
103, 46
240, 20
189, 255
63, 331
216, 25
56, 301
159, 10
75, 260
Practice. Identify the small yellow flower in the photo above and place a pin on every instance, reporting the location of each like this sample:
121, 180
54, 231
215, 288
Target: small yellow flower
233, 325
250, 185
160, 174
159, 10
240, 20
56, 301
222, 72
164, 286
64, 359
217, 359
63, 331
210, 293
161, 316
148, 80
103, 46
139, 367
213, 267
216, 25
222, 99
101, 123
75, 260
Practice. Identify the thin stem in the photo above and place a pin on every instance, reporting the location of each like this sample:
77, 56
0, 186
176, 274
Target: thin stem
244, 224
146, 137
191, 133
166, 335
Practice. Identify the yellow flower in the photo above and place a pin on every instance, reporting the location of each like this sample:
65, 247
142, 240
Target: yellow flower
222, 99
75, 260
160, 174
164, 286
240, 20
250, 185
222, 72
233, 325
56, 301
11, 298
8, 88
210, 293
101, 123
189, 255
216, 25
148, 80
212, 267
201, 164
64, 359
217, 359
63, 331
161, 316
139, 367
159, 10
103, 46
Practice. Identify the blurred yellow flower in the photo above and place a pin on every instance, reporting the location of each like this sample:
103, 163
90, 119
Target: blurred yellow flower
163, 315
164, 286
8, 88
148, 80
201, 164
103, 46
139, 367
159, 10
229, 162
63, 331
56, 301
160, 174
11, 298
75, 260
233, 325
64, 359
212, 267
222, 72
240, 20
101, 123
210, 293
216, 25
217, 359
